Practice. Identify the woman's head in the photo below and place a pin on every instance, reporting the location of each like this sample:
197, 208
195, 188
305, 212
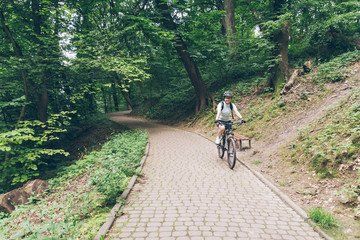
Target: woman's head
227, 96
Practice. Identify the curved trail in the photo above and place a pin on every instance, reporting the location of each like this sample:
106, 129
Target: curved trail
187, 192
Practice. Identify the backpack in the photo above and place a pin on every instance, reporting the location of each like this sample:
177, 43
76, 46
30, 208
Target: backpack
231, 107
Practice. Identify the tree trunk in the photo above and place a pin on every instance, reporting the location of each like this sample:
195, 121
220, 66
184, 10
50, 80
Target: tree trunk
18, 54
281, 69
127, 98
284, 48
110, 103
104, 97
181, 48
90, 98
193, 72
116, 103
229, 22
281, 39
124, 92
43, 101
42, 98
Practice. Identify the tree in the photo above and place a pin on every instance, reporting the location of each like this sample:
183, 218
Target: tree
323, 29
181, 48
35, 46
18, 54
273, 22
229, 22
280, 71
278, 29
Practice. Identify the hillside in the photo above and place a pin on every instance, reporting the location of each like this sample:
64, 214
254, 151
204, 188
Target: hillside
288, 138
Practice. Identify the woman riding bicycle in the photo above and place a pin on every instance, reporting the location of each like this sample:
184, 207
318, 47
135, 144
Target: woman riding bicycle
224, 110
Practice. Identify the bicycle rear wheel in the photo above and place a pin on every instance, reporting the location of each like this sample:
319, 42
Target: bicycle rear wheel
221, 148
231, 154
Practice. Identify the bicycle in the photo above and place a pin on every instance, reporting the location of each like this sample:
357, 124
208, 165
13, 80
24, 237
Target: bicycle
227, 143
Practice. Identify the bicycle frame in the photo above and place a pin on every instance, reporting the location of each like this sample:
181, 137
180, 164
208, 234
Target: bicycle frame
228, 131
227, 144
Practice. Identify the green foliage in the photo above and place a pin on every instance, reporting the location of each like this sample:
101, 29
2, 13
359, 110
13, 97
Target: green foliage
252, 61
352, 192
101, 57
334, 70
18, 102
323, 29
27, 147
121, 160
300, 52
181, 100
332, 33
4, 215
336, 140
322, 218
256, 162
80, 192
275, 26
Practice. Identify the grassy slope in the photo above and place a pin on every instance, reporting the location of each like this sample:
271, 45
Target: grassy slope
321, 119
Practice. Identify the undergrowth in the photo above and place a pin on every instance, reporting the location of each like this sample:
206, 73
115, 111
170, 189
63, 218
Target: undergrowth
332, 140
331, 146
335, 70
262, 112
79, 199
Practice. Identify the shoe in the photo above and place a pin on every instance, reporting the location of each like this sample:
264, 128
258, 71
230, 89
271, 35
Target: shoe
217, 141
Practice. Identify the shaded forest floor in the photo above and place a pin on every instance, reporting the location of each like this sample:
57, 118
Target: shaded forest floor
274, 136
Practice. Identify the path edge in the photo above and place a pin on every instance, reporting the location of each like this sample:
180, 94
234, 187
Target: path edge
277, 191
287, 201
114, 211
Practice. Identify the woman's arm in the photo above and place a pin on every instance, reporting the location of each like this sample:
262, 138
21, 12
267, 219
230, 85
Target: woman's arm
218, 112
237, 112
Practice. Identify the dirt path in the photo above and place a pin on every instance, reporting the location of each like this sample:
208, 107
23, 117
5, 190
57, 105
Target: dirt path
187, 192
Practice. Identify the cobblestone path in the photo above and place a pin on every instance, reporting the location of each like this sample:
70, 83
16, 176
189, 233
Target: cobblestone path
187, 192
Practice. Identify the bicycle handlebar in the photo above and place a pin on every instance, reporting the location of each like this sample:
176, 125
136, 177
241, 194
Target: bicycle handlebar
235, 123
232, 123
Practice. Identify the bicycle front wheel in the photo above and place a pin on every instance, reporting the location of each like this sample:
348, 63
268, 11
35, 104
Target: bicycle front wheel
231, 154
221, 148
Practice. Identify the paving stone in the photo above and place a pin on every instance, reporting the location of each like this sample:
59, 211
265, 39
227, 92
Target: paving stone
179, 233
140, 234
187, 192
289, 237
165, 234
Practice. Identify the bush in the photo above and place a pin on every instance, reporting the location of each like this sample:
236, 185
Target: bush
25, 148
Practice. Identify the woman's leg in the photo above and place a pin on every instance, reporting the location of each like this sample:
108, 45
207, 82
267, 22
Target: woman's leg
220, 132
